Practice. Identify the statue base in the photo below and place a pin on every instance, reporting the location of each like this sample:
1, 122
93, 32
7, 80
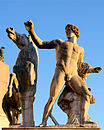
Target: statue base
57, 127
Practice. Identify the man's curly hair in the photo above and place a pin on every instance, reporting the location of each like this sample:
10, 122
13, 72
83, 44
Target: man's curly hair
74, 28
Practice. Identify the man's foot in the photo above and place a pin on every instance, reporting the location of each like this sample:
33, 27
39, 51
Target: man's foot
89, 122
43, 124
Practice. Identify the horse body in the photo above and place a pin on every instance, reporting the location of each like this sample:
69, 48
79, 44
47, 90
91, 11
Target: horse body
24, 76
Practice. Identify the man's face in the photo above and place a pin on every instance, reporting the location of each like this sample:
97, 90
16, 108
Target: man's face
69, 32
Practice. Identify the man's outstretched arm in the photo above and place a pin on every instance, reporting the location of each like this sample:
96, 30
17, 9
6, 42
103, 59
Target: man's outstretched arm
94, 70
39, 43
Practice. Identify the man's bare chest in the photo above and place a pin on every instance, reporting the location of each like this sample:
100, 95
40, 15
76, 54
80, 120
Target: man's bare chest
68, 47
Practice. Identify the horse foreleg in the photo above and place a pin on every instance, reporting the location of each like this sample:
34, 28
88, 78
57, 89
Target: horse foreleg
12, 79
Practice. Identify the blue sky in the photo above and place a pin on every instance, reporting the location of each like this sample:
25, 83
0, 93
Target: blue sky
50, 18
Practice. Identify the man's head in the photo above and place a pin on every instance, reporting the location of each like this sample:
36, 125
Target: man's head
72, 28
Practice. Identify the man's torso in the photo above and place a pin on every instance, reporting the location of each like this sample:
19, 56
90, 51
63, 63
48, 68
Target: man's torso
67, 55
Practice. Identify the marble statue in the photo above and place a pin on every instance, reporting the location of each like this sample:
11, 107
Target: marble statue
74, 104
11, 103
68, 55
25, 71
1, 53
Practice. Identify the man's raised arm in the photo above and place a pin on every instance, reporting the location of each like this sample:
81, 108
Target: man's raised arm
39, 43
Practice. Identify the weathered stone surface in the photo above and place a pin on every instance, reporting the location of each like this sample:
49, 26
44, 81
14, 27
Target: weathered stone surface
12, 104
1, 54
26, 74
73, 103
68, 56
54, 128
4, 77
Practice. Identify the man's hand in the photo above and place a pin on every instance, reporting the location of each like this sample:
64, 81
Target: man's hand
97, 69
92, 99
29, 25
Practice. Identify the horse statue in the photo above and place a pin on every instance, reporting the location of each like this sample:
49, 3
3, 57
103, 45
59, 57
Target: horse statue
24, 76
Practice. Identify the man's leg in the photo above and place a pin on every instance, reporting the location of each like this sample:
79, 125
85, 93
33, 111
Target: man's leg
84, 110
79, 86
85, 119
56, 86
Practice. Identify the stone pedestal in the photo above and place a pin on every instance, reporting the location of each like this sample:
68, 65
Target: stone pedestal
53, 128
27, 100
4, 78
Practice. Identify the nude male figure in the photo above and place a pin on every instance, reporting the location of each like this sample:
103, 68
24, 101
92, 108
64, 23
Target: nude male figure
74, 104
68, 55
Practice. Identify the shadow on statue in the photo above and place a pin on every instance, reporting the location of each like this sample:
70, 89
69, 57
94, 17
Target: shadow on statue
21, 97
